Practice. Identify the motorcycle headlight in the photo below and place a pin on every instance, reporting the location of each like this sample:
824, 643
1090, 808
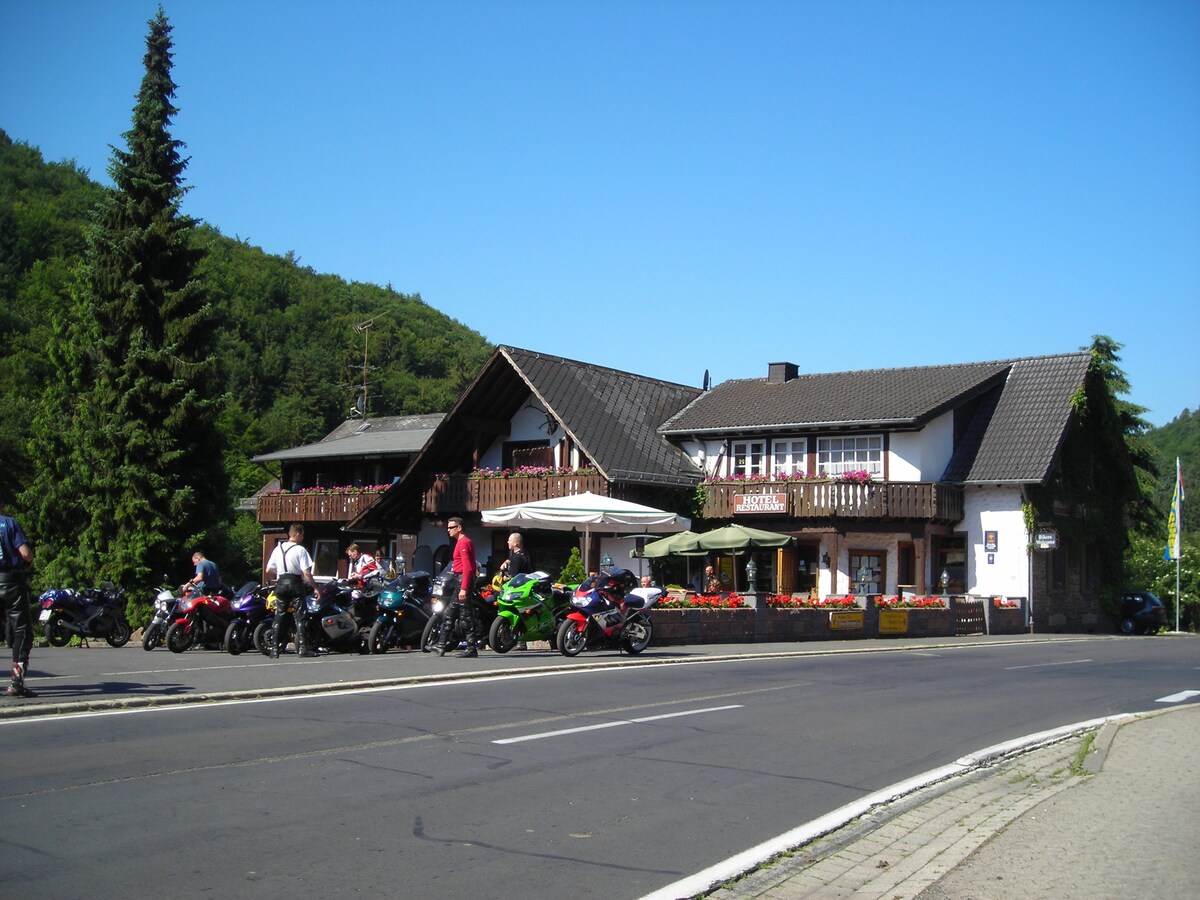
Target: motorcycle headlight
438, 606
160, 604
580, 602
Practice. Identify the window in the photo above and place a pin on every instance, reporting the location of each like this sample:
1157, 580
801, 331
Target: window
748, 458
867, 571
791, 457
836, 456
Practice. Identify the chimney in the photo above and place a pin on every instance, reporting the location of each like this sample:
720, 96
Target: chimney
779, 372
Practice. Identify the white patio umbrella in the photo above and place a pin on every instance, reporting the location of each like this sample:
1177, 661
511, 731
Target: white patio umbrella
590, 512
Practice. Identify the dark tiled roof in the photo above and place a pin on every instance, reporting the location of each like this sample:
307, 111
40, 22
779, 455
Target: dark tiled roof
382, 436
1017, 428
880, 398
1015, 436
613, 416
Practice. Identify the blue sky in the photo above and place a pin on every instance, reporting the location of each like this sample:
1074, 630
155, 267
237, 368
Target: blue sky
669, 187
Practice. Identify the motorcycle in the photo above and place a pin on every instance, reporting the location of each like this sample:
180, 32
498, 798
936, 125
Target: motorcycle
529, 608
483, 602
404, 611
249, 613
608, 613
335, 621
166, 608
202, 619
91, 613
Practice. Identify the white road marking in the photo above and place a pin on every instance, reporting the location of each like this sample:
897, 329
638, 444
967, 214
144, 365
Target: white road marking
1178, 698
614, 724
1065, 662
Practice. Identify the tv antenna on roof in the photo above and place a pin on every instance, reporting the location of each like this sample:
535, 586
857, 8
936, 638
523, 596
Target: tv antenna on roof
360, 405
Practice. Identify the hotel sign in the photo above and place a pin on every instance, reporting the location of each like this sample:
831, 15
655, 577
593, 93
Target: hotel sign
744, 504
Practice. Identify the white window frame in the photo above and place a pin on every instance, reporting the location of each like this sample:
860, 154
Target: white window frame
790, 457
850, 453
748, 458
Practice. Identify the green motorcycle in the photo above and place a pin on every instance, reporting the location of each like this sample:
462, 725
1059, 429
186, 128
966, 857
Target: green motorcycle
529, 608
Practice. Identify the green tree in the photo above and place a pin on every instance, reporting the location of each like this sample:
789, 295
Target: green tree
141, 455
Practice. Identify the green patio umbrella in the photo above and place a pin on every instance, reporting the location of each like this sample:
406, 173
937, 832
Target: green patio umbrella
739, 537
681, 544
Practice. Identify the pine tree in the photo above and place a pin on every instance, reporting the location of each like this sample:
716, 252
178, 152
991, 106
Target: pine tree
144, 461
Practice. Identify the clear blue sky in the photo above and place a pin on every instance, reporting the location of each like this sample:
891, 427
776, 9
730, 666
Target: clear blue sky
669, 187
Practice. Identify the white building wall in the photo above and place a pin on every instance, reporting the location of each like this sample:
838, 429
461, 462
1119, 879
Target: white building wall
1005, 571
527, 425
922, 455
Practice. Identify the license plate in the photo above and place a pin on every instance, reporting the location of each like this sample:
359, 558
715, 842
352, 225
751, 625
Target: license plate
45, 616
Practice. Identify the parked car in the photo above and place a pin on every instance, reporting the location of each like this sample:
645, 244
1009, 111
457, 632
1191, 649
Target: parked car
1141, 613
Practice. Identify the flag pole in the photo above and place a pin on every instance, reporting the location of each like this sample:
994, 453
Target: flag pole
1179, 537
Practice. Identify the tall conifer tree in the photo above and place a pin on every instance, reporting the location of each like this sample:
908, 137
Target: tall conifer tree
140, 432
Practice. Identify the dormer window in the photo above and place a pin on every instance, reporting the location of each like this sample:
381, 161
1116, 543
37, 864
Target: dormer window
838, 455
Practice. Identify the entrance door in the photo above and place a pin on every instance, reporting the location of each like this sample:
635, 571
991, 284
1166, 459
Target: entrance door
867, 571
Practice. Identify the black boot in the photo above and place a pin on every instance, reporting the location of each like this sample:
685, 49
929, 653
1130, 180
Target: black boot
17, 688
302, 648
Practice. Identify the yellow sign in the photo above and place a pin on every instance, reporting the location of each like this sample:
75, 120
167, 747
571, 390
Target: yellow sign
893, 621
846, 621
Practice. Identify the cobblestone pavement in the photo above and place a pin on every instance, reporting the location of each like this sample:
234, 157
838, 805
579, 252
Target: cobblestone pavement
1111, 813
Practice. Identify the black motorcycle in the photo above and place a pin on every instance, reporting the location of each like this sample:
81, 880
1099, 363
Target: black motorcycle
404, 611
337, 616
483, 603
91, 613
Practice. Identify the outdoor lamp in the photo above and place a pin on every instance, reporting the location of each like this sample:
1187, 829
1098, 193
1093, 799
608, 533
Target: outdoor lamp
945, 580
825, 560
606, 561
400, 563
751, 574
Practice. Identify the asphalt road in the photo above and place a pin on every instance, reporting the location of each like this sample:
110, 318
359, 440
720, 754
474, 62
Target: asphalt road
547, 780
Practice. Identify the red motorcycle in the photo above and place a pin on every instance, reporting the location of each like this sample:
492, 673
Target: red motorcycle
608, 612
201, 620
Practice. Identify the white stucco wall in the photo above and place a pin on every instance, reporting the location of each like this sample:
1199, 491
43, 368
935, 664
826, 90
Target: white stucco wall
526, 426
922, 455
995, 509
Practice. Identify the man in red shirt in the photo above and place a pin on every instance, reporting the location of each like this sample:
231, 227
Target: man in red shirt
464, 567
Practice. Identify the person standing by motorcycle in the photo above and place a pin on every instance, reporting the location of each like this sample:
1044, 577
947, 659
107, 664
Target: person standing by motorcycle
516, 564
207, 578
291, 567
362, 565
464, 566
16, 557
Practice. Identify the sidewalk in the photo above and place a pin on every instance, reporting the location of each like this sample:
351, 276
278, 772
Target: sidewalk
1034, 825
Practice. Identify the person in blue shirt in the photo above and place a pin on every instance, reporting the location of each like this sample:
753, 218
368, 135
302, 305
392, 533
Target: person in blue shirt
207, 578
16, 558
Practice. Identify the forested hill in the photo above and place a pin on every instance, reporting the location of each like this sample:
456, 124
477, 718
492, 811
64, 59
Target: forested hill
290, 355
1179, 439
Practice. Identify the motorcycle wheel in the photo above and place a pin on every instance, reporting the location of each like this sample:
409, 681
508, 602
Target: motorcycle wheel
57, 634
637, 636
268, 638
501, 636
152, 637
119, 634
429, 636
236, 639
380, 638
179, 637
260, 636
571, 640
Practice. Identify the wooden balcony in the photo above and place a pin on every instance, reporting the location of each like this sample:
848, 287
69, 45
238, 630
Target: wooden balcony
287, 508
845, 500
458, 494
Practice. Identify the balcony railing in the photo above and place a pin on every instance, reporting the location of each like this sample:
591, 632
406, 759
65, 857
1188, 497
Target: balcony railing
835, 499
460, 494
314, 507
